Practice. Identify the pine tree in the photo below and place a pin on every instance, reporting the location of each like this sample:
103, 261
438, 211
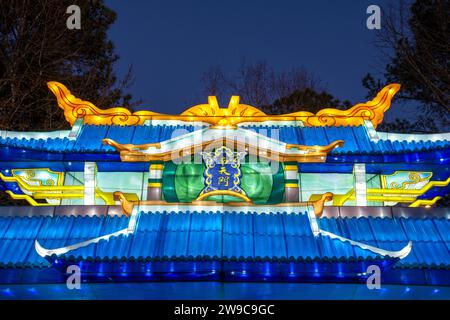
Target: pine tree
36, 46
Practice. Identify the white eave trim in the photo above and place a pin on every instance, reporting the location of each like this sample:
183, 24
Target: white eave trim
408, 137
34, 135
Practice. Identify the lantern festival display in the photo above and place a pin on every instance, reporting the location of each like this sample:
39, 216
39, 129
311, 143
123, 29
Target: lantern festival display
225, 194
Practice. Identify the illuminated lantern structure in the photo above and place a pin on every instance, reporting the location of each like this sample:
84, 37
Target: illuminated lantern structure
228, 194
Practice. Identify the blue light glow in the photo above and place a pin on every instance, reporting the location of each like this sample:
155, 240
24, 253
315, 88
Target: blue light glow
32, 290
7, 292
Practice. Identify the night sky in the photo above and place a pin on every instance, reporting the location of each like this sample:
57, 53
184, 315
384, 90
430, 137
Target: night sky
171, 43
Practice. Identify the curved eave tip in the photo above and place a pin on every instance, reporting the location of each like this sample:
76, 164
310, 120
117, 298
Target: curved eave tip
405, 251
54, 85
393, 88
41, 251
388, 91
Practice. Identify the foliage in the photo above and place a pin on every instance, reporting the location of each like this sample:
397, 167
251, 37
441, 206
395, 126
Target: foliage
36, 47
415, 46
274, 92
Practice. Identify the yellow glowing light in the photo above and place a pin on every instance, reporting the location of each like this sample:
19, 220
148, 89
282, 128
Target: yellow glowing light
318, 205
25, 186
416, 192
57, 192
156, 166
28, 198
229, 117
223, 193
392, 195
155, 184
424, 202
291, 185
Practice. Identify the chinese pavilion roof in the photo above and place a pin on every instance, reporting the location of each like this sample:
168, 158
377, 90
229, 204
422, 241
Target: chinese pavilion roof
92, 126
329, 141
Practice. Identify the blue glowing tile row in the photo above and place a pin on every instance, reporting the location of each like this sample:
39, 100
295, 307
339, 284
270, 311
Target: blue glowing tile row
90, 138
356, 139
52, 145
430, 237
17, 235
232, 235
228, 235
270, 236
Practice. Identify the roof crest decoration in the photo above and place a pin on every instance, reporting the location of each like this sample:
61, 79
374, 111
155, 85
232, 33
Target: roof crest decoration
229, 117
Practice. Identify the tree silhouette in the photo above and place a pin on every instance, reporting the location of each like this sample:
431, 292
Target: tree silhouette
272, 92
36, 47
415, 47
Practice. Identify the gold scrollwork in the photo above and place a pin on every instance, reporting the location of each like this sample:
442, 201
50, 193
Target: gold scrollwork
29, 175
414, 177
229, 117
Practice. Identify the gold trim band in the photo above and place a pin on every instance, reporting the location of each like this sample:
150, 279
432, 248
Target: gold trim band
318, 205
156, 167
291, 185
424, 202
155, 184
223, 193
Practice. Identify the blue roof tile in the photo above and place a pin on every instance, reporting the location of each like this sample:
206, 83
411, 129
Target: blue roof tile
431, 252
270, 245
334, 248
235, 223
302, 246
387, 229
269, 224
205, 243
240, 235
443, 226
420, 229
174, 243
238, 245
358, 229
144, 244
296, 224
356, 139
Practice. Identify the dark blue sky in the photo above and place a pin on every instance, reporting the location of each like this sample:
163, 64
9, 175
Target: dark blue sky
171, 43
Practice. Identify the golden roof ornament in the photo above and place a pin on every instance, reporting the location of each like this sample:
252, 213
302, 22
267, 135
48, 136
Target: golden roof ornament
211, 113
